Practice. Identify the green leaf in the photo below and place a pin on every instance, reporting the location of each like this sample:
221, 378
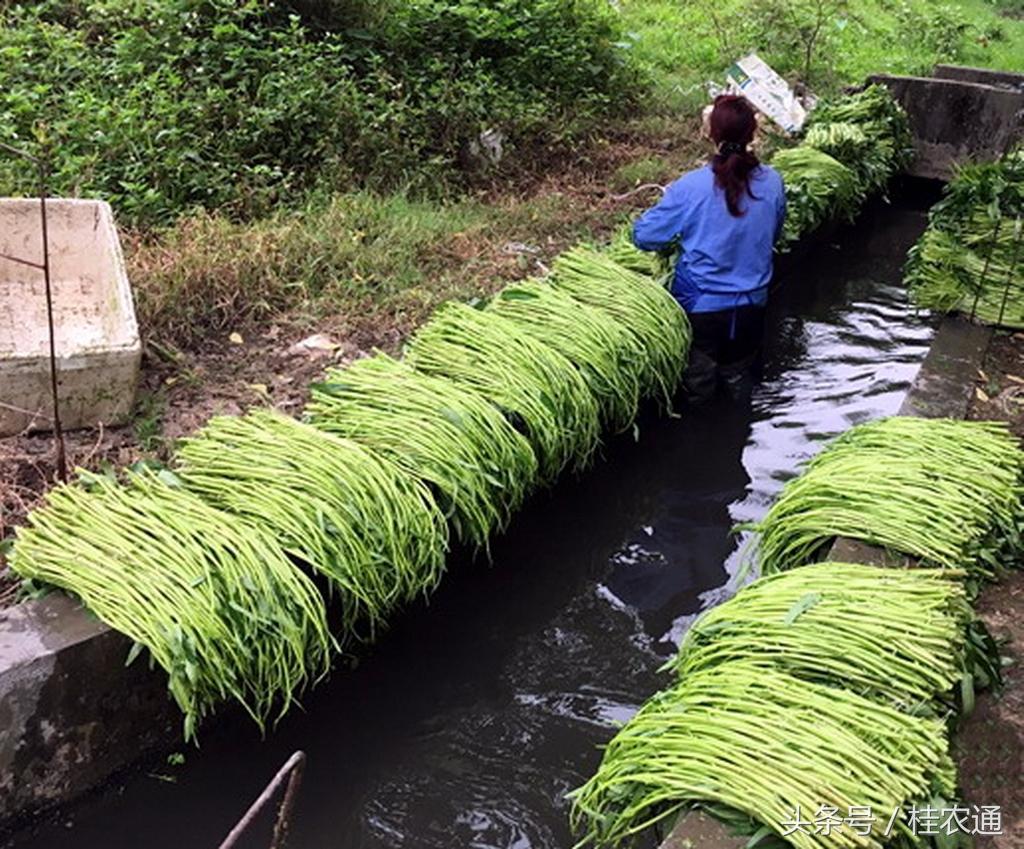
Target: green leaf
453, 416
801, 606
967, 693
133, 653
518, 295
167, 477
759, 835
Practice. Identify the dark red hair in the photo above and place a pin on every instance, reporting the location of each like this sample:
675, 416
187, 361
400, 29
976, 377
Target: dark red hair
733, 123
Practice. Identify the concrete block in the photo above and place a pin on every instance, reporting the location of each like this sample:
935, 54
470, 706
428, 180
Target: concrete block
71, 713
97, 338
985, 76
954, 121
944, 385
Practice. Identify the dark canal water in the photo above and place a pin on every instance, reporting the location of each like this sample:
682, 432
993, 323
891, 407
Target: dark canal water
466, 725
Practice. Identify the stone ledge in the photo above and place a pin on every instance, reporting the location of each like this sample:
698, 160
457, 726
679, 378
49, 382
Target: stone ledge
941, 390
985, 76
954, 121
70, 711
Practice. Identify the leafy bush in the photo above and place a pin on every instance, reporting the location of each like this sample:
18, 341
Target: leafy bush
942, 30
244, 104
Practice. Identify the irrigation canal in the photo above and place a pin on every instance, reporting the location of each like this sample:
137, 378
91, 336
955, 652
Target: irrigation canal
468, 722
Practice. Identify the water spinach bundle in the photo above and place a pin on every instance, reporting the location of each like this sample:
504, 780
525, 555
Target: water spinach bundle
869, 158
898, 636
608, 357
758, 745
212, 598
352, 515
479, 467
971, 257
875, 114
541, 390
640, 306
940, 491
818, 188
621, 249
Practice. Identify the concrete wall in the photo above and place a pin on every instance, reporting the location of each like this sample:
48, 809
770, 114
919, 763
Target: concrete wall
71, 714
985, 76
954, 121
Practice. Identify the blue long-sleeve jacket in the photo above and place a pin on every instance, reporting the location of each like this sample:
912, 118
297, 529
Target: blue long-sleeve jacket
726, 260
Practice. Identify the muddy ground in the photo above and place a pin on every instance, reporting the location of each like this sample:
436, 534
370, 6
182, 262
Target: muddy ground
990, 747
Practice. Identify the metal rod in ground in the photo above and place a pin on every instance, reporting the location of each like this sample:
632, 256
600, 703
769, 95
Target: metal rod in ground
988, 261
58, 431
1019, 230
292, 769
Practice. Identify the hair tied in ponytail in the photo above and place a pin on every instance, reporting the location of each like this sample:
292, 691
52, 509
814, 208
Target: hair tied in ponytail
732, 124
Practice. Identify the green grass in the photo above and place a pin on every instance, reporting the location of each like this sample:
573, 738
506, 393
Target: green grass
347, 255
638, 172
678, 46
393, 257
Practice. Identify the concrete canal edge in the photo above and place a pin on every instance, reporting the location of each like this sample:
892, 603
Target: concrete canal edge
72, 714
942, 389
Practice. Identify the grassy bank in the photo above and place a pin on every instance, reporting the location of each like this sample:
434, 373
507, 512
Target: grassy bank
394, 253
246, 106
309, 159
681, 46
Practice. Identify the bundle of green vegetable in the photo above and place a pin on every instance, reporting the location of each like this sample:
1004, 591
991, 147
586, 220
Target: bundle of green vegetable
622, 250
892, 634
212, 598
352, 515
608, 357
478, 465
871, 159
751, 739
818, 188
971, 258
641, 307
529, 380
876, 113
936, 490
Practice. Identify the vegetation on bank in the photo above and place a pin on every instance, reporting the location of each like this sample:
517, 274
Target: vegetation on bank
824, 43
246, 105
971, 257
274, 156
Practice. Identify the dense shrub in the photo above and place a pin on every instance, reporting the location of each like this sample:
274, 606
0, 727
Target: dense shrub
163, 106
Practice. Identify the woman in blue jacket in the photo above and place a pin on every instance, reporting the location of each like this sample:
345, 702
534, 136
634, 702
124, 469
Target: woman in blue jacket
726, 218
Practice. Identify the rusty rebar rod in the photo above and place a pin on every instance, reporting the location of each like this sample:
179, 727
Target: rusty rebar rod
58, 430
292, 770
1019, 229
988, 262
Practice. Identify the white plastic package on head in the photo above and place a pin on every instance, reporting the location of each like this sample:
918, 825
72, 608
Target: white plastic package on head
752, 77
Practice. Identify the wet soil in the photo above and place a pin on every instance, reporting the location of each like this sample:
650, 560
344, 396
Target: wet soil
990, 746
